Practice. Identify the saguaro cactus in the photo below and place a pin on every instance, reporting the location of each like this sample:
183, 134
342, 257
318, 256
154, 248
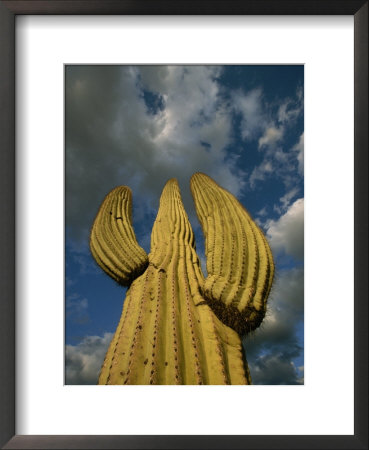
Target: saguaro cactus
176, 326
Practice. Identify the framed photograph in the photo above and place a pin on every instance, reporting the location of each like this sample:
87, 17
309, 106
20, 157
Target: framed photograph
121, 125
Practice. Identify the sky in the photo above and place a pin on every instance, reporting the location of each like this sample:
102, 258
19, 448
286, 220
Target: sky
139, 126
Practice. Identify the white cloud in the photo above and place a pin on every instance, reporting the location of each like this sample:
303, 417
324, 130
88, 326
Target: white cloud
299, 149
270, 137
285, 200
250, 106
271, 129
279, 163
261, 172
287, 233
291, 109
83, 361
262, 212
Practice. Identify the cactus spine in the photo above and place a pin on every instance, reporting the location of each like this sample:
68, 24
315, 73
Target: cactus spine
176, 326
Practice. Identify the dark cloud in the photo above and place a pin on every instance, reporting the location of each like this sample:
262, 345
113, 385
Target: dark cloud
275, 369
271, 349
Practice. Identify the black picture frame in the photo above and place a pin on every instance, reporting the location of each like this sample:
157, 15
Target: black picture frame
8, 12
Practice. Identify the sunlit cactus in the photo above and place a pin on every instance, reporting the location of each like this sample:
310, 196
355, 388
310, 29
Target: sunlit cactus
178, 327
238, 258
113, 243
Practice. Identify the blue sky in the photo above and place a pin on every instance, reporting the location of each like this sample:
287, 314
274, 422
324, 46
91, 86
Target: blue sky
141, 125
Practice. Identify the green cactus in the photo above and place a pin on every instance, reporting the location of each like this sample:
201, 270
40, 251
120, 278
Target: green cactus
178, 327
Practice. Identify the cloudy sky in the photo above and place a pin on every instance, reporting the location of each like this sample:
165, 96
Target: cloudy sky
141, 125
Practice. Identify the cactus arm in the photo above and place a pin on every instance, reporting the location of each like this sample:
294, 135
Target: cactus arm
239, 261
112, 240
